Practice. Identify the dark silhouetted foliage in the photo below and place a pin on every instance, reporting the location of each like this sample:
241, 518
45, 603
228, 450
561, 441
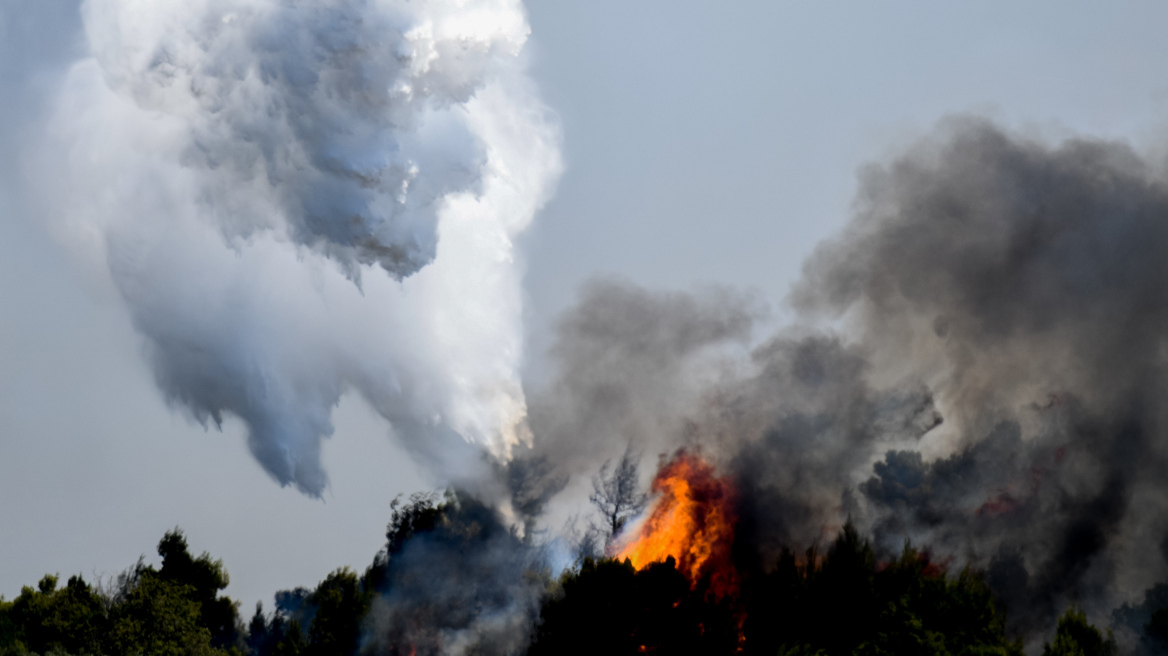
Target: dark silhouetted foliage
842, 603
51, 619
611, 608
1076, 637
1144, 626
845, 604
205, 578
1157, 629
454, 575
174, 610
341, 602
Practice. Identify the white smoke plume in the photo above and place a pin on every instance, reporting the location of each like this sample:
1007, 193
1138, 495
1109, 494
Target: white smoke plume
297, 199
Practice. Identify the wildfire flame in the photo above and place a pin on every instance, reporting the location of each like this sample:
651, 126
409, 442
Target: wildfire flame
693, 521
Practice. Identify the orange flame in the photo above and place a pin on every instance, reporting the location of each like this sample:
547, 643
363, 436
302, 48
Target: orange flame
692, 520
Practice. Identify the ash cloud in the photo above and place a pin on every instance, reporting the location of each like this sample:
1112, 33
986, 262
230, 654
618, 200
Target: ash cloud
296, 201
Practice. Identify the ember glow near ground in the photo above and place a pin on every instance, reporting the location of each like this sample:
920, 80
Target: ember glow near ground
705, 143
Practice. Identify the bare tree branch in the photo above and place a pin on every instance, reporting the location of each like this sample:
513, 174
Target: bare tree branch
617, 495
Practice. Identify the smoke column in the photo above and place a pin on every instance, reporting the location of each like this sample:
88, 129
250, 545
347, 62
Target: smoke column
300, 199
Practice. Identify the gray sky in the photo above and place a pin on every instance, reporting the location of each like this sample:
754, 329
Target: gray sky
705, 143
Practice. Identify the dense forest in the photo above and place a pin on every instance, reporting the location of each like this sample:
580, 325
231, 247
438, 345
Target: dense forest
427, 592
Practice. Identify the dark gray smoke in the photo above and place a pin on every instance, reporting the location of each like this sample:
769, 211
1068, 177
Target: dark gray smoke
984, 379
632, 363
794, 417
1026, 285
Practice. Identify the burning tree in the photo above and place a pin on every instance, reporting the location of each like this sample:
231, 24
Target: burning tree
691, 522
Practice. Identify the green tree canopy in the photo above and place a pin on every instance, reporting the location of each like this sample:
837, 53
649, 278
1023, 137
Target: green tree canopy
204, 578
69, 619
175, 610
159, 618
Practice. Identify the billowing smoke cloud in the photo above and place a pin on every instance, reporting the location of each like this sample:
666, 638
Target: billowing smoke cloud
299, 199
977, 366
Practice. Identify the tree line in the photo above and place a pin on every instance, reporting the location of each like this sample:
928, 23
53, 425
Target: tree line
841, 601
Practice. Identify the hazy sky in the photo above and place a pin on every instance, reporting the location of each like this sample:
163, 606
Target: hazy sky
705, 142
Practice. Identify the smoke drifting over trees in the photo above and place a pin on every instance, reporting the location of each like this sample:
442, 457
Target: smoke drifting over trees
416, 598
987, 387
1024, 285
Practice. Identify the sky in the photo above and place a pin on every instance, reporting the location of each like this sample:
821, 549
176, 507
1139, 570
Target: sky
703, 143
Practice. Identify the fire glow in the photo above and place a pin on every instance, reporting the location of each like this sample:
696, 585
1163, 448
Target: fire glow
693, 521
